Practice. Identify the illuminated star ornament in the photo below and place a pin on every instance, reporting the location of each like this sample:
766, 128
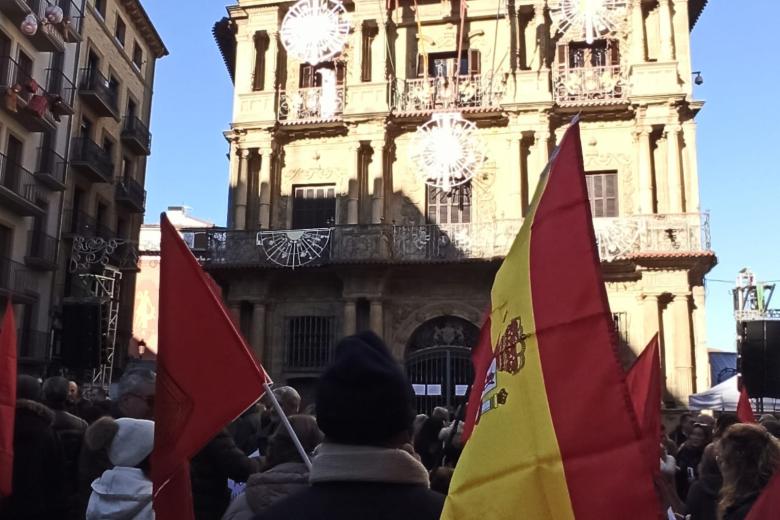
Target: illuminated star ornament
446, 151
314, 31
587, 19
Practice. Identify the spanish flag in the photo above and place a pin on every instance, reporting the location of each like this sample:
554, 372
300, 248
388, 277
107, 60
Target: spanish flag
556, 436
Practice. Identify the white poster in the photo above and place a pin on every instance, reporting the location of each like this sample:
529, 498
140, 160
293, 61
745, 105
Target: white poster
460, 390
419, 389
433, 390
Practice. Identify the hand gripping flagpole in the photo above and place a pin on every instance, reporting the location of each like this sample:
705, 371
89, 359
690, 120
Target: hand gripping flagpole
288, 426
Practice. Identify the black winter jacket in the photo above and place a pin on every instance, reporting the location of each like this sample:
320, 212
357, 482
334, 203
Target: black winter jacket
358, 501
38, 466
702, 501
218, 461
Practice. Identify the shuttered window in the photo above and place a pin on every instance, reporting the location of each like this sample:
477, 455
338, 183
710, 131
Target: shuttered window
603, 194
309, 342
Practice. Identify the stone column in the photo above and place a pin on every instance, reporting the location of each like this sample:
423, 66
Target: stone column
651, 315
353, 184
378, 51
265, 189
645, 171
376, 182
234, 309
673, 171
257, 338
241, 188
350, 317
667, 36
691, 169
638, 33
537, 60
682, 355
542, 155
357, 53
702, 358
272, 62
515, 181
376, 319
233, 184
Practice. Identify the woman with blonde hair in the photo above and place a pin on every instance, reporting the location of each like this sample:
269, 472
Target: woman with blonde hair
748, 458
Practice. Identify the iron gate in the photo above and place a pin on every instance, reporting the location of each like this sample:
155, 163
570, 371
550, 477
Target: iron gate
440, 376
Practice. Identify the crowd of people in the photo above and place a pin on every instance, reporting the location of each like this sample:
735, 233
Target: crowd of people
715, 469
367, 453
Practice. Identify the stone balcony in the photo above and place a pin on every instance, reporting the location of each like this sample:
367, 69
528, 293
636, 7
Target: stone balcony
422, 95
311, 105
618, 239
590, 86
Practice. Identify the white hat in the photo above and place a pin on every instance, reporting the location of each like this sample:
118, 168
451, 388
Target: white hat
133, 442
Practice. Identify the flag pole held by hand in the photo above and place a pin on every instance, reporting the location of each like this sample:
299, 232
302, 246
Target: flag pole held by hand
288, 426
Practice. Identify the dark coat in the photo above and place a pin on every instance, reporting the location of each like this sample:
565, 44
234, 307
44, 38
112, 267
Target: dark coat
245, 430
688, 459
38, 466
702, 501
740, 510
358, 501
210, 468
93, 460
70, 430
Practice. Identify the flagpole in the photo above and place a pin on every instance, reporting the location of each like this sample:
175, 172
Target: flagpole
287, 425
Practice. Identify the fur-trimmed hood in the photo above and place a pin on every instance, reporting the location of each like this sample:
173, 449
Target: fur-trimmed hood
100, 434
35, 408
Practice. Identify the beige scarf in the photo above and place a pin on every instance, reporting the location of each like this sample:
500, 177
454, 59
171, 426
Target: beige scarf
349, 463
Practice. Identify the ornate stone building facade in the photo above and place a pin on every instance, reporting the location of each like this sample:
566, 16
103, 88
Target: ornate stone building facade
331, 228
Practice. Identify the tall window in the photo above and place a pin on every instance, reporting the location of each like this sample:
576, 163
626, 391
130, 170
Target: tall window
138, 56
119, 31
311, 77
308, 342
369, 35
453, 207
600, 53
261, 45
314, 206
127, 168
100, 7
603, 194
442, 64
620, 319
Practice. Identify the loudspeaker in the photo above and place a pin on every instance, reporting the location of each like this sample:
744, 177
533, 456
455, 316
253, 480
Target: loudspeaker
81, 334
759, 357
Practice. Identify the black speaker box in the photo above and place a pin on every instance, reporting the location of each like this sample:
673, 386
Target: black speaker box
759, 357
81, 334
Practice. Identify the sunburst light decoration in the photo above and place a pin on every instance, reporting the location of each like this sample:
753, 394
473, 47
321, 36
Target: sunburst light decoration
294, 248
446, 151
588, 19
314, 31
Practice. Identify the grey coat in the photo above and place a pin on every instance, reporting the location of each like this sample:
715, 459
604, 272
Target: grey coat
263, 489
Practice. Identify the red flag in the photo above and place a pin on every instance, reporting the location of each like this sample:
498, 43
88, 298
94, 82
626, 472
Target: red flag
768, 503
7, 398
744, 410
206, 375
481, 357
644, 386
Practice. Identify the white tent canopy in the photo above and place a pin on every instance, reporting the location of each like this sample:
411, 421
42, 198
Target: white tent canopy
724, 397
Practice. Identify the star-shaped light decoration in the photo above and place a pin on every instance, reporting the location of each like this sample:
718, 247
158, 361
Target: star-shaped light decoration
446, 151
587, 19
314, 31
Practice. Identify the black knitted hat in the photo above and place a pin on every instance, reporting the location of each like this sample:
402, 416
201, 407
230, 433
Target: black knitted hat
364, 397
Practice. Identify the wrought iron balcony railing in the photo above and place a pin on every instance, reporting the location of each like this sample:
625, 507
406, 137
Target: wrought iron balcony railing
311, 104
132, 194
16, 279
71, 22
136, 135
18, 188
42, 251
98, 91
590, 85
62, 92
51, 169
91, 159
24, 97
79, 223
438, 93
618, 238
48, 37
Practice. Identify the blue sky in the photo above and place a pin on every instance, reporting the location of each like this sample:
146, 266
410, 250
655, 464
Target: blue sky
193, 101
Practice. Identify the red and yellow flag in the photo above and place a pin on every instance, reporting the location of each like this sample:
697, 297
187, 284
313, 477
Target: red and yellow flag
556, 436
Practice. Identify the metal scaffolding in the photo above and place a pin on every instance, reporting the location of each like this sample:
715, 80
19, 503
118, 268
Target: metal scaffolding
105, 287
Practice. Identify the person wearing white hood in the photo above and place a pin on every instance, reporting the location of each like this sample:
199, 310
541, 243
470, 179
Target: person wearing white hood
125, 492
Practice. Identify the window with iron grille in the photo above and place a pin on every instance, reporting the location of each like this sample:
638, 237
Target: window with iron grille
620, 319
309, 342
314, 206
603, 193
449, 207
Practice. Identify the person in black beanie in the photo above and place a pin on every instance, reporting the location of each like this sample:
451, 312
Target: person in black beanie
364, 468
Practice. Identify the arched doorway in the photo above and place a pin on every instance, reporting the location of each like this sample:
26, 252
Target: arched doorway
438, 362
